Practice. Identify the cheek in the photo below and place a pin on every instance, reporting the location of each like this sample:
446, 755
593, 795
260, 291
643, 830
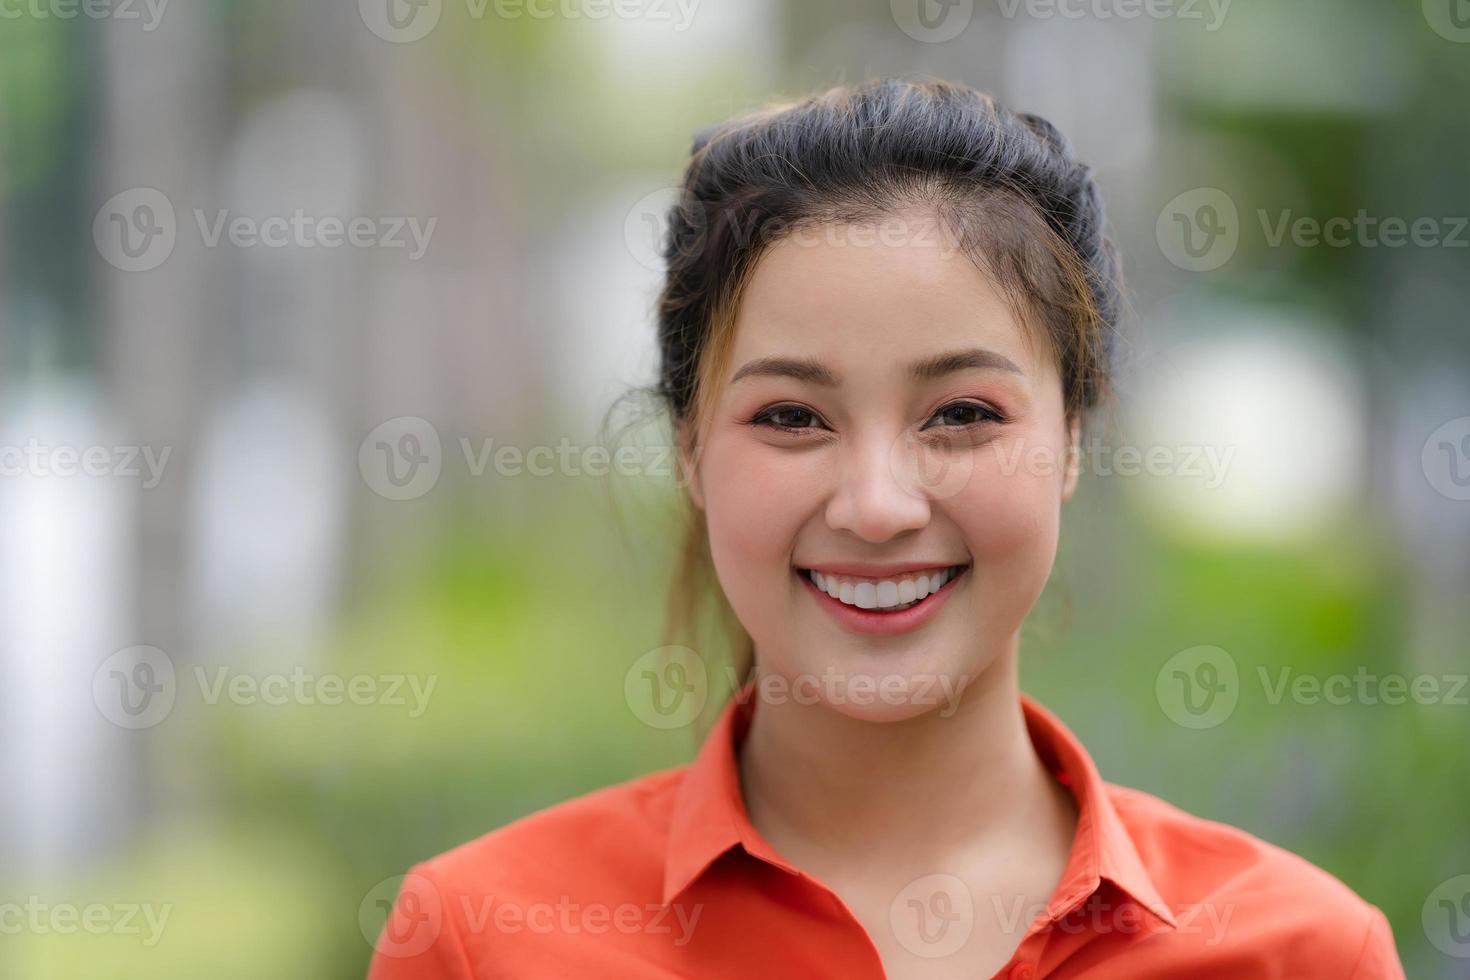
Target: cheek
756, 501
1010, 514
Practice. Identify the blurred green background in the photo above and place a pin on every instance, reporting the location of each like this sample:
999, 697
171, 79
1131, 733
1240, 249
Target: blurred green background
543, 148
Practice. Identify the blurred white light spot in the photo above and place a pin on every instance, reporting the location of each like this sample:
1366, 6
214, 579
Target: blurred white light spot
266, 518
1092, 80
1273, 400
302, 150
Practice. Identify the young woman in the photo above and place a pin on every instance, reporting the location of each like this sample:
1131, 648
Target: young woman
888, 310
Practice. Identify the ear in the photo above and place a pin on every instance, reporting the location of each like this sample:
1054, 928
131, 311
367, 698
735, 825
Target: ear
689, 467
1074, 458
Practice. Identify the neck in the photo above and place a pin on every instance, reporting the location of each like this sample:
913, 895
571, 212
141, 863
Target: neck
822, 786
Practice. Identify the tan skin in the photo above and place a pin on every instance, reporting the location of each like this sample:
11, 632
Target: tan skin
873, 799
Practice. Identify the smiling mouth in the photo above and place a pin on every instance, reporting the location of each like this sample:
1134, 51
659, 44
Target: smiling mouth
888, 595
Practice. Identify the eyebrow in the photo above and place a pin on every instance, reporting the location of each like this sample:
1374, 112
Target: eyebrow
813, 371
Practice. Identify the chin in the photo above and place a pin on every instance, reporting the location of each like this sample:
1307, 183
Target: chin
880, 712
886, 687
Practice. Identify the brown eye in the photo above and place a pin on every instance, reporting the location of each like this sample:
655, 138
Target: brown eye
960, 415
788, 418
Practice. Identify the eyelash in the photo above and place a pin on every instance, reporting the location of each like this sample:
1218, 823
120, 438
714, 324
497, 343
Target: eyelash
765, 418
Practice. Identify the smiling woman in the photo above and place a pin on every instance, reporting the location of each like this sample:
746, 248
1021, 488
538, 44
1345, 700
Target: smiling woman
887, 312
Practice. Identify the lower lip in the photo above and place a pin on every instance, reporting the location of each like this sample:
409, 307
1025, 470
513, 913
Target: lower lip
875, 623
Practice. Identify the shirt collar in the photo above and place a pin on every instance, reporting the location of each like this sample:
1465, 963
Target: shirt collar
709, 815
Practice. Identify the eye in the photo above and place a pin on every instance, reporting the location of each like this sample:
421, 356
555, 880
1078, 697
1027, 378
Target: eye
787, 418
963, 415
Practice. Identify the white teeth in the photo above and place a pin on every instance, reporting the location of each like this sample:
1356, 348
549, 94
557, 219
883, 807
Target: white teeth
886, 594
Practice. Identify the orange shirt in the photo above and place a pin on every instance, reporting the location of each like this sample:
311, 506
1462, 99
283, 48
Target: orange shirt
664, 876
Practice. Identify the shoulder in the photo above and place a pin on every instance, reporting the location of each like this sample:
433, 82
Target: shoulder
543, 888
1240, 893
611, 837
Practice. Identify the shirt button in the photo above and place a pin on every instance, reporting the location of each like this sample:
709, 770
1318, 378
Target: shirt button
1022, 971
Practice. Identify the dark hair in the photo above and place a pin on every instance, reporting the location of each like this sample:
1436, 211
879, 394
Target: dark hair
1007, 185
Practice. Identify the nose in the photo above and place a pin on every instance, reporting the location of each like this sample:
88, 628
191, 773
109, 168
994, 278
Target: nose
876, 496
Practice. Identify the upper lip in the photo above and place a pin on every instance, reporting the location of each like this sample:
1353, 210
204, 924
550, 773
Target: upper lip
861, 569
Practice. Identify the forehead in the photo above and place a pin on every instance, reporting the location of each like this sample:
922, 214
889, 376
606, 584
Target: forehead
861, 297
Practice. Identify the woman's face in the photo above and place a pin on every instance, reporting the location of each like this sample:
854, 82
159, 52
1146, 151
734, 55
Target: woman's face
884, 423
